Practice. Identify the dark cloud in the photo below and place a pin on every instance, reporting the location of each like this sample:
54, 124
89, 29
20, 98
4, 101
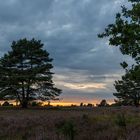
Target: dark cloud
69, 31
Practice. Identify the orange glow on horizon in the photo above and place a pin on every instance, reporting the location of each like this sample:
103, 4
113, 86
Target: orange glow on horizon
68, 102
77, 103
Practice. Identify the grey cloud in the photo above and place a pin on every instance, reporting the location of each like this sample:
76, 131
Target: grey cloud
69, 29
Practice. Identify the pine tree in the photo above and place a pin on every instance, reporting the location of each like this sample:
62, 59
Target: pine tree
25, 73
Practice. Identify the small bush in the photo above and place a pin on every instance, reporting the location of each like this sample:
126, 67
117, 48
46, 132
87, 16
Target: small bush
121, 120
67, 129
36, 104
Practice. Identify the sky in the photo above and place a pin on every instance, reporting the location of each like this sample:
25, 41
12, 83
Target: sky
85, 66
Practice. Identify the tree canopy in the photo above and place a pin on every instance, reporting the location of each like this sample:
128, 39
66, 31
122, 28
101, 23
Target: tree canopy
25, 73
125, 33
128, 89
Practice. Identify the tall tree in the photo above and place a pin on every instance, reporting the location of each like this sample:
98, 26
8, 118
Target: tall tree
128, 89
25, 73
125, 33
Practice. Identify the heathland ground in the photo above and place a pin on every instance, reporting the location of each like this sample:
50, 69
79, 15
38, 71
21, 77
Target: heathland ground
70, 123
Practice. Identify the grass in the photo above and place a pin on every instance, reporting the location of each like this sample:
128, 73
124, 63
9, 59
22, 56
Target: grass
70, 124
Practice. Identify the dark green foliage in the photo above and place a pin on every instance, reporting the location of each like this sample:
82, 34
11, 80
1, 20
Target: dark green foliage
121, 120
67, 129
36, 103
128, 89
125, 33
25, 73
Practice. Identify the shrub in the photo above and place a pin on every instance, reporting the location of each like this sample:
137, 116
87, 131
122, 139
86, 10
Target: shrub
121, 120
36, 104
67, 129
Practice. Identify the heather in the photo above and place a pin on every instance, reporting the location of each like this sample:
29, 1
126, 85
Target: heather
71, 123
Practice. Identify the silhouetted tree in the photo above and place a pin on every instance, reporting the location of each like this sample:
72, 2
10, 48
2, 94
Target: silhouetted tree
89, 105
73, 105
103, 103
6, 103
125, 33
25, 73
81, 104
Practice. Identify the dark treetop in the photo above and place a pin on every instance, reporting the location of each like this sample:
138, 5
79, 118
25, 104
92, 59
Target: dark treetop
25, 73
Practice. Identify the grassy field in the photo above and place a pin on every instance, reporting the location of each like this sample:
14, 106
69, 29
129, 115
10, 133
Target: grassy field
70, 124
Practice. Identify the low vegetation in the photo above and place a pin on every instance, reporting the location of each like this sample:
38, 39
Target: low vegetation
122, 123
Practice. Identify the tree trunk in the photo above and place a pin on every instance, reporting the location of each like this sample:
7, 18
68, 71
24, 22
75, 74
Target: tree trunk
24, 104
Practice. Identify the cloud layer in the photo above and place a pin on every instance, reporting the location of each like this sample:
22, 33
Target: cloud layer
85, 66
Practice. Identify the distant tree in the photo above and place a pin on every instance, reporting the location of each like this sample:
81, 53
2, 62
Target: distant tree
81, 104
125, 33
6, 103
103, 103
25, 73
73, 105
89, 105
